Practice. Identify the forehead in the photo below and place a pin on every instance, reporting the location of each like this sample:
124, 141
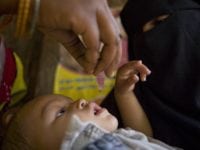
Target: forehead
47, 98
38, 104
43, 100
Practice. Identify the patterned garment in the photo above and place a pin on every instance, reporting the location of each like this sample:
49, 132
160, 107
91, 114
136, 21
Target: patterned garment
107, 142
8, 75
88, 136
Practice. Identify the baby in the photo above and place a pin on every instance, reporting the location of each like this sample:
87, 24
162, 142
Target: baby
54, 122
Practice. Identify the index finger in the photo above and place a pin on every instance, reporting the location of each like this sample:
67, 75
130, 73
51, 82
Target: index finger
110, 37
92, 43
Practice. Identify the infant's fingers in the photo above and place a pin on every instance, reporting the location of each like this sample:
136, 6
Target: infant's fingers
130, 82
133, 79
143, 70
140, 67
134, 67
130, 67
143, 77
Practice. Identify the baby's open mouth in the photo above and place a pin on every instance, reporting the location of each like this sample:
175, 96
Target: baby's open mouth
97, 110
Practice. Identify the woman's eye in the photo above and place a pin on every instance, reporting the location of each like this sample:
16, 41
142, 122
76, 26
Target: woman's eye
61, 112
157, 22
154, 22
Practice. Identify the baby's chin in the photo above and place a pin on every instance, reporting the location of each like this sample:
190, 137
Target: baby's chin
113, 125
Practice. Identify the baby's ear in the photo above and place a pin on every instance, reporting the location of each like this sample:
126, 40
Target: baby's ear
8, 116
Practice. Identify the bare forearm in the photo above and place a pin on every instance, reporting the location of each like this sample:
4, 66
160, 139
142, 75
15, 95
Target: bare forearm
8, 6
132, 113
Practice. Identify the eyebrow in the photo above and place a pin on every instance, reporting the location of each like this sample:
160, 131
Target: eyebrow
46, 108
52, 103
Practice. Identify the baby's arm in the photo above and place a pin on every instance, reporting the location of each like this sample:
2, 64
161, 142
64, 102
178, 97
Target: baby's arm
130, 109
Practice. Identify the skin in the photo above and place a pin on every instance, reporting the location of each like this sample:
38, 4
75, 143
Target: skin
127, 77
46, 119
67, 21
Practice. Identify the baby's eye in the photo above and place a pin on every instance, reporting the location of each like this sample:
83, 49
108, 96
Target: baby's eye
61, 112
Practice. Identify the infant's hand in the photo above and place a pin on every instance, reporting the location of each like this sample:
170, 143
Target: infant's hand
127, 75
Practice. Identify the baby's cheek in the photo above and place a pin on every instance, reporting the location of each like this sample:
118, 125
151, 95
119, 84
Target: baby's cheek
85, 117
114, 122
110, 123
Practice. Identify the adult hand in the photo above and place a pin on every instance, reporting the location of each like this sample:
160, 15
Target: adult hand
92, 20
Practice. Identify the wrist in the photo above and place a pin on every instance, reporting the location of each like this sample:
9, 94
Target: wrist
121, 94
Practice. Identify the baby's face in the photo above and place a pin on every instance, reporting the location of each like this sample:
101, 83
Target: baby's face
46, 118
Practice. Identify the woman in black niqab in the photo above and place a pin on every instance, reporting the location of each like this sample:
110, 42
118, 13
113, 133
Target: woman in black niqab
171, 49
171, 96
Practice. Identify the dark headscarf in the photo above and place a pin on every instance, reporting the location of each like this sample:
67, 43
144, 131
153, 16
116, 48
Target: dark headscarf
138, 12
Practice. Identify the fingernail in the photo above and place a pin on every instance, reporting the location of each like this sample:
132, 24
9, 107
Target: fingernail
149, 72
113, 74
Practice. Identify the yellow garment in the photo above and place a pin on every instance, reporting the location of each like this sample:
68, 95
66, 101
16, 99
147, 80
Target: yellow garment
76, 85
19, 88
